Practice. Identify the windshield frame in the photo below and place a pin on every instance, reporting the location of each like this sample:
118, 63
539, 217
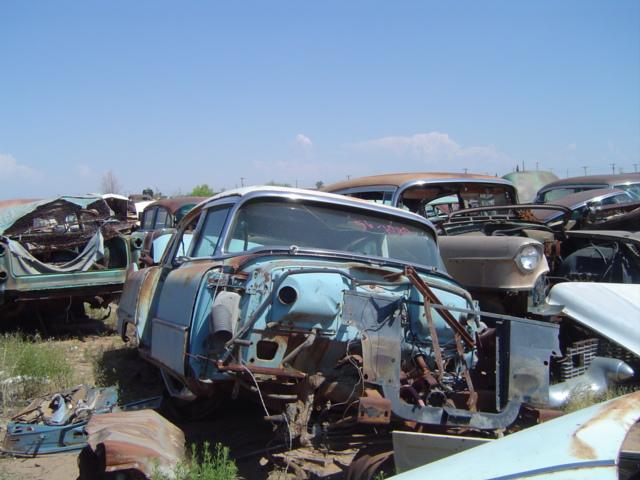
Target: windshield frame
497, 182
320, 199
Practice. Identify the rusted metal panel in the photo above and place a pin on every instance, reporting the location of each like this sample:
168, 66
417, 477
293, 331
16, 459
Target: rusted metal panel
374, 410
141, 440
582, 445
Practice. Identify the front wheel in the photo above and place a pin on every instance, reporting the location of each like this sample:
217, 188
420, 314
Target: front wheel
182, 404
371, 463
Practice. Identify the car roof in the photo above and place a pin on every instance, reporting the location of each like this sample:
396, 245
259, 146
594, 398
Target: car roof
574, 200
176, 203
267, 190
594, 180
398, 179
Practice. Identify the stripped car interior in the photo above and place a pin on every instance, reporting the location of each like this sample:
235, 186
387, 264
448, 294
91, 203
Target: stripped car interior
66, 250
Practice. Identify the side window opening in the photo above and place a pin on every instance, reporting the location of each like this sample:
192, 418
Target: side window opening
147, 223
161, 218
209, 235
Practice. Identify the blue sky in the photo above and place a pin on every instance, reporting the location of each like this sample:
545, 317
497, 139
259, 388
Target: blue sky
173, 94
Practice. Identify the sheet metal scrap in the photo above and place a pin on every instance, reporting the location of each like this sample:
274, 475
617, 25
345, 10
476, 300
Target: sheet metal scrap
585, 444
55, 423
140, 440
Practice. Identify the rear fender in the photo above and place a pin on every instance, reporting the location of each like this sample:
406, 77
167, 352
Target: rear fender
136, 299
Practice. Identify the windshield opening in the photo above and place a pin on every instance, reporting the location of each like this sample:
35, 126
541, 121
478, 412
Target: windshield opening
437, 201
632, 189
283, 223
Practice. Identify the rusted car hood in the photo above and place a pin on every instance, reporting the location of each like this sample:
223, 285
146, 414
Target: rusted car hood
582, 445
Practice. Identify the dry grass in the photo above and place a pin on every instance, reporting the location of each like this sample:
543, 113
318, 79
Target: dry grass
588, 398
30, 366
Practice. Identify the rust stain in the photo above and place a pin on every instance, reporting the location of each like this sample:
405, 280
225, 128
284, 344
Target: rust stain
615, 411
142, 440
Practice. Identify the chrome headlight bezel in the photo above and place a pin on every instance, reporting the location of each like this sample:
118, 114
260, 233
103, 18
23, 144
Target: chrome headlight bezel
528, 257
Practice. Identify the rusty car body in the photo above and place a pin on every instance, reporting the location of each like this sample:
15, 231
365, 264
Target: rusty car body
599, 442
574, 251
629, 182
158, 222
331, 312
63, 251
131, 444
503, 273
595, 208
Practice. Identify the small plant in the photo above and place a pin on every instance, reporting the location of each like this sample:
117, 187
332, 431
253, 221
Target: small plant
206, 466
30, 367
587, 398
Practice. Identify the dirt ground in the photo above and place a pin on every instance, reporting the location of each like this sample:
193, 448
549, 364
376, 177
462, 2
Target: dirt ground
100, 357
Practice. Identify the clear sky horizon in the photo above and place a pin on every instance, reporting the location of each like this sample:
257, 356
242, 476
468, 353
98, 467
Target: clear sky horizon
168, 95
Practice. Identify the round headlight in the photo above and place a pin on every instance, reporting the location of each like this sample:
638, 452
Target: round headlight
528, 258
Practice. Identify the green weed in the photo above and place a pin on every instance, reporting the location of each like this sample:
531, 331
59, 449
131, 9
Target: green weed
30, 367
204, 465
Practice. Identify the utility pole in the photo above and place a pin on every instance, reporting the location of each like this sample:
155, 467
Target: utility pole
348, 177
536, 165
635, 167
585, 169
613, 168
242, 181
465, 170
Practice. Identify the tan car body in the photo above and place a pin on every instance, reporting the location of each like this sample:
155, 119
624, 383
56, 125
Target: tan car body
489, 262
484, 264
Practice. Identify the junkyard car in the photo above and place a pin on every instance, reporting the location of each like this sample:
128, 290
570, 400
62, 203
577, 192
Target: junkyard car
587, 204
62, 252
158, 222
502, 272
629, 182
123, 209
332, 311
572, 253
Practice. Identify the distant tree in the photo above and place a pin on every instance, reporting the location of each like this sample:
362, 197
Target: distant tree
277, 184
109, 183
203, 190
148, 191
319, 184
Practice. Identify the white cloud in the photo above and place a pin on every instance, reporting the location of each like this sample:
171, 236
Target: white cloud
432, 150
11, 170
303, 141
572, 146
